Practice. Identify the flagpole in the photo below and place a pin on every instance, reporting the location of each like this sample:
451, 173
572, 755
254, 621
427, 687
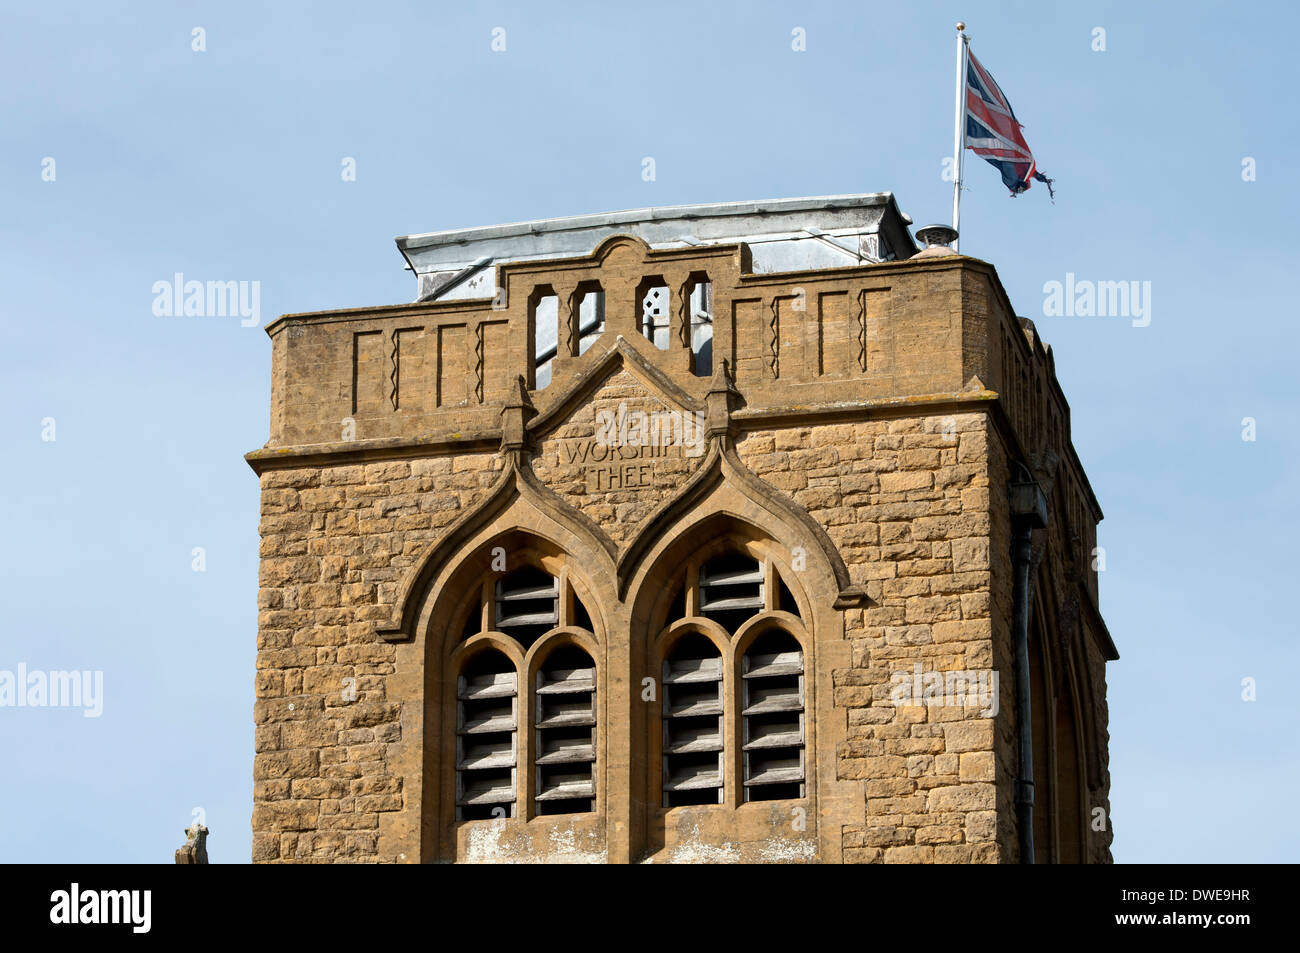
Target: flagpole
959, 131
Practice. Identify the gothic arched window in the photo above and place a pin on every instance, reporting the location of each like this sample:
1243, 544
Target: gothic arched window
692, 722
487, 718
732, 667
772, 713
529, 619
565, 726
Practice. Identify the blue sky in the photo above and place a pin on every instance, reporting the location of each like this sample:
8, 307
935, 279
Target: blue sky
225, 165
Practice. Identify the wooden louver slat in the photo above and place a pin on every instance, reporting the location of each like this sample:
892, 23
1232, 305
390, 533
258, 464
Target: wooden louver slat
527, 604
772, 714
731, 589
566, 733
486, 724
692, 724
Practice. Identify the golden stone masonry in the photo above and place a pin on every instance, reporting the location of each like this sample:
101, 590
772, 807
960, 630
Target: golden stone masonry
747, 532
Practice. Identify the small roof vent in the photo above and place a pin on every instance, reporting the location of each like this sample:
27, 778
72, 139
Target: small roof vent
938, 241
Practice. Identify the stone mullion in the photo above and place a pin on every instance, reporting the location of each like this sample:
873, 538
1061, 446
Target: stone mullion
678, 355
682, 306
680, 339
724, 345
691, 604
525, 718
564, 615
733, 765
567, 317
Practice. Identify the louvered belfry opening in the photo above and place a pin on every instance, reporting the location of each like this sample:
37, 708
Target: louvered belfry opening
733, 668
693, 747
731, 589
566, 726
487, 717
527, 745
772, 711
527, 604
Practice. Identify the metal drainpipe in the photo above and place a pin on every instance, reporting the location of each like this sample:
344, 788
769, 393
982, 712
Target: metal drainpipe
1028, 512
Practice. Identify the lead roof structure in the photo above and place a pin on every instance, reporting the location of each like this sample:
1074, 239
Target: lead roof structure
783, 235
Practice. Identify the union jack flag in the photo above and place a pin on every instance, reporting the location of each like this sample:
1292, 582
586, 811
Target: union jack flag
993, 133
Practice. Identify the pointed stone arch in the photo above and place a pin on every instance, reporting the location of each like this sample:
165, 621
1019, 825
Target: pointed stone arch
714, 523
1041, 660
1090, 731
1069, 772
1061, 733
718, 516
516, 500
723, 475
428, 697
1068, 649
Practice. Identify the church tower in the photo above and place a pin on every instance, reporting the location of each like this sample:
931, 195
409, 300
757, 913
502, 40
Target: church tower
745, 532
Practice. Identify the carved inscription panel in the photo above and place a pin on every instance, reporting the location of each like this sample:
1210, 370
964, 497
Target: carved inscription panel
621, 454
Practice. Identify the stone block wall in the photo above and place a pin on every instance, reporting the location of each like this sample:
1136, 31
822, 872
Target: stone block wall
335, 543
887, 410
906, 501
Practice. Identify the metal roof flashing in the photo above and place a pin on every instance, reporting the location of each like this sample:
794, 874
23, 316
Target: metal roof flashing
783, 234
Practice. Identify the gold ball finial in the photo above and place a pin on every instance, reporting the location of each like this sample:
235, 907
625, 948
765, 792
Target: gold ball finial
960, 26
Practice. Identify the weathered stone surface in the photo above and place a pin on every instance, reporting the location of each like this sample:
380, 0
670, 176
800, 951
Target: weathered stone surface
195, 850
862, 414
